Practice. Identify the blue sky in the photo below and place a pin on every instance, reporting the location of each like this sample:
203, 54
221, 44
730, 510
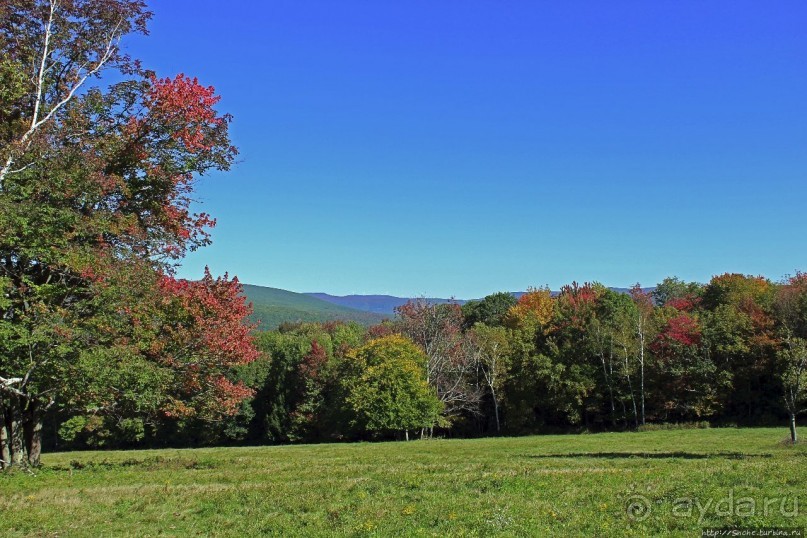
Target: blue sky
457, 148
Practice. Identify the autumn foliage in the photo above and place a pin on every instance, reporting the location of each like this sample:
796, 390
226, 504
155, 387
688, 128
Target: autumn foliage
202, 337
96, 184
535, 307
680, 330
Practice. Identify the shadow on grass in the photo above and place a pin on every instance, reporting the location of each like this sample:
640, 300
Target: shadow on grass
650, 455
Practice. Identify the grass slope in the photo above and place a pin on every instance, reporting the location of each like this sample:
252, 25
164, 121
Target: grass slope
274, 306
530, 486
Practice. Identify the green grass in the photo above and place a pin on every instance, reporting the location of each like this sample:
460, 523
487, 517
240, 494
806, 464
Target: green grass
530, 486
274, 306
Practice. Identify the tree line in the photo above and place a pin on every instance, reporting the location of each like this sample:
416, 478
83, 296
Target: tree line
589, 358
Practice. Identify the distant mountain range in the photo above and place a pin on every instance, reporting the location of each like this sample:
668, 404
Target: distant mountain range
273, 306
379, 304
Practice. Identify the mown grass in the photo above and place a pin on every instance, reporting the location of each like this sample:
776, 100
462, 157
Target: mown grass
531, 486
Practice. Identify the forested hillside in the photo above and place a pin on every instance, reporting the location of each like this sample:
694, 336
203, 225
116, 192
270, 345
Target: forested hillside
380, 304
272, 307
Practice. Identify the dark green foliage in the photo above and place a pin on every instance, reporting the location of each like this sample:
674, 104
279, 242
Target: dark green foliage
674, 288
490, 310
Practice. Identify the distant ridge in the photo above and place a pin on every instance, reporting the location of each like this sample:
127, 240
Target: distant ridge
378, 304
273, 306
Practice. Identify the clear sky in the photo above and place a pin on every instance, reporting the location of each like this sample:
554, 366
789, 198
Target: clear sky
457, 148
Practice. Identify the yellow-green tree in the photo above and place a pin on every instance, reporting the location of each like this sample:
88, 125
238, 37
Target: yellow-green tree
385, 390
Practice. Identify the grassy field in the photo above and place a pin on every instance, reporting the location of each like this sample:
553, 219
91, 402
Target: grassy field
676, 482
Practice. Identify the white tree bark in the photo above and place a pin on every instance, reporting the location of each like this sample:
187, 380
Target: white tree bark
84, 72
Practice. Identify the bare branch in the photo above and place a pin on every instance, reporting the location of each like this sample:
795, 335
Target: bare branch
22, 168
41, 75
6, 385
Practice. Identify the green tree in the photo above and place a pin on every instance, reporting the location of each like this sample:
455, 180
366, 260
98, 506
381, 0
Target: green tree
615, 343
791, 311
493, 348
385, 388
575, 347
490, 310
673, 288
741, 339
286, 383
793, 375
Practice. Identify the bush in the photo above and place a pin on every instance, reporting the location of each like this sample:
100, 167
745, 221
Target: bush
699, 425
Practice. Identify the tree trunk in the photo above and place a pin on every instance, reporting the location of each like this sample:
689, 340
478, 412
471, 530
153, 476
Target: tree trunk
16, 442
630, 387
5, 445
32, 432
793, 435
407, 434
624, 413
496, 410
641, 380
609, 384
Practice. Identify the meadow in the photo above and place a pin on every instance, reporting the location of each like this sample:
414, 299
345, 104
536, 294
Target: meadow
670, 483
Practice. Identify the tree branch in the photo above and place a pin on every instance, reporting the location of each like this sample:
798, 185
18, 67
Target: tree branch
6, 385
36, 123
